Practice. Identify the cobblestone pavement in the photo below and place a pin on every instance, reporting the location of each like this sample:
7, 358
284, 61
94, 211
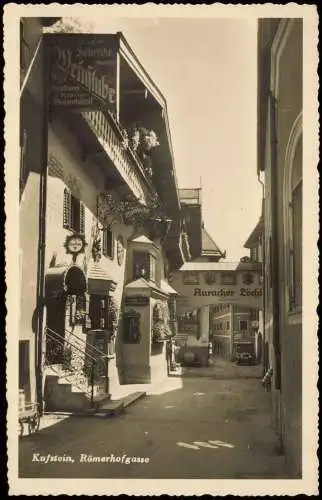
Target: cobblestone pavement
198, 426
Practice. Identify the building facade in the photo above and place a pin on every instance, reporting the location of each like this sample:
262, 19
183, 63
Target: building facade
255, 244
280, 65
230, 325
109, 224
31, 178
194, 326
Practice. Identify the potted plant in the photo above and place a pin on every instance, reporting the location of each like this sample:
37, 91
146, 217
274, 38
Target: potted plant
142, 141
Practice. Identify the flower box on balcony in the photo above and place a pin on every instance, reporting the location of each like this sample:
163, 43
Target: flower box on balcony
112, 140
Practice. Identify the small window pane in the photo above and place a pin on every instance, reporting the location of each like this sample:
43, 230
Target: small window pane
243, 325
75, 214
141, 265
108, 243
228, 278
152, 268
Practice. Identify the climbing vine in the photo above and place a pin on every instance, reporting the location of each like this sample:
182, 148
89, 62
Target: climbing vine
129, 211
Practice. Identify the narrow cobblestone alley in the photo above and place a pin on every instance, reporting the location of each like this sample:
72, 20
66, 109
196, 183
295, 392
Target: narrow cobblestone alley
205, 424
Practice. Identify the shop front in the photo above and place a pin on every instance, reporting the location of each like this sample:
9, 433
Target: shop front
201, 285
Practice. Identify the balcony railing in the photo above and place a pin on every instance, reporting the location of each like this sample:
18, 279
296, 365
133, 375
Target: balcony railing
112, 140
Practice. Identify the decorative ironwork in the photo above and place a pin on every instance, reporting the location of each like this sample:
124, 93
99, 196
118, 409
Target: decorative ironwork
79, 362
130, 211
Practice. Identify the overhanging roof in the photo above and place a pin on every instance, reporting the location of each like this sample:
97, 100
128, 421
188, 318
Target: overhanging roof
99, 282
220, 266
209, 266
134, 63
208, 246
255, 234
149, 287
129, 56
165, 287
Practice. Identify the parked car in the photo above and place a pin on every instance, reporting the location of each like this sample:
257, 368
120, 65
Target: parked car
245, 354
245, 358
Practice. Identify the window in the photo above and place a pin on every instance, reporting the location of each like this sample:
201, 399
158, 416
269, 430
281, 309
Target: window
228, 278
141, 265
227, 325
293, 213
152, 268
73, 213
191, 278
254, 314
108, 243
99, 312
144, 266
254, 254
243, 325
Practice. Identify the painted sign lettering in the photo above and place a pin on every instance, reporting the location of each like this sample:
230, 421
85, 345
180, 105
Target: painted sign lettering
243, 292
83, 71
230, 287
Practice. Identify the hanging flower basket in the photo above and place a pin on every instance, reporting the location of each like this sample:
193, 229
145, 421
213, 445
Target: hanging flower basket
160, 332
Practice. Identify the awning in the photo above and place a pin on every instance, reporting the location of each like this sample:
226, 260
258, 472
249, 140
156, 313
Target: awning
64, 279
99, 282
166, 288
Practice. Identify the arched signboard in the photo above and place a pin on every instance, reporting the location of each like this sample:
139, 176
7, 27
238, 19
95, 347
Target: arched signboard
200, 284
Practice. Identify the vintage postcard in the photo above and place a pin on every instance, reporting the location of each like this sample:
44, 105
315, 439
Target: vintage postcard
161, 236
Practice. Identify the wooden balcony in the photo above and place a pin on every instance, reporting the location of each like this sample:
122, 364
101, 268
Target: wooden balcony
112, 142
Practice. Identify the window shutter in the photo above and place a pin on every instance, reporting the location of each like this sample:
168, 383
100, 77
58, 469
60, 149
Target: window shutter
82, 218
67, 209
104, 242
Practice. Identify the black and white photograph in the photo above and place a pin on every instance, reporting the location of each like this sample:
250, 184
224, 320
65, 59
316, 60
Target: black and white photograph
161, 251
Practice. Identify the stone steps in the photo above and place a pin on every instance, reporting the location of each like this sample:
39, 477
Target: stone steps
105, 408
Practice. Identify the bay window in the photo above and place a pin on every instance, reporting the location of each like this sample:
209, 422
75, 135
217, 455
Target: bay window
144, 265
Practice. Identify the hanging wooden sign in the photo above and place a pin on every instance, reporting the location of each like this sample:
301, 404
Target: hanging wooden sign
82, 71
